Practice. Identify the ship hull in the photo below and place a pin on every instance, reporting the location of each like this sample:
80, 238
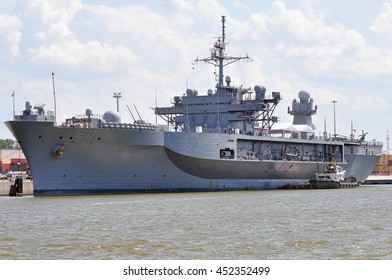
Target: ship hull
219, 143
360, 166
115, 161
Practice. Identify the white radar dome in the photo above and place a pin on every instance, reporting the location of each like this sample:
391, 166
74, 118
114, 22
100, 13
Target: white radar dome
112, 116
303, 95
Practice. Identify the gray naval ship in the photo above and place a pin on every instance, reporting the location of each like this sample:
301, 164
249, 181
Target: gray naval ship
224, 140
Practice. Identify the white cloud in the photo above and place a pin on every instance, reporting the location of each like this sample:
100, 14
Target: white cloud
53, 18
156, 39
61, 47
210, 9
295, 23
240, 4
92, 55
382, 25
182, 5
59, 31
54, 10
325, 50
10, 26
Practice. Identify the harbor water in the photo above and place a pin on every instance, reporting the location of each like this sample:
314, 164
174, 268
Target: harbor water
277, 225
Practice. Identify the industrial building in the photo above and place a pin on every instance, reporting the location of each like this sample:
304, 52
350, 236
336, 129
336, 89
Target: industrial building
13, 160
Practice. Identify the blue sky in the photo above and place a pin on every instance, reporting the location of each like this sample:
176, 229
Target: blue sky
335, 51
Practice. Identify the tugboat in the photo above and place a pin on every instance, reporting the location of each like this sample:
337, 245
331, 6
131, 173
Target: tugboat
333, 177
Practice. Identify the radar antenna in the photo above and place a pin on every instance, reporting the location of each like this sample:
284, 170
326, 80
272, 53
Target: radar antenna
362, 137
218, 56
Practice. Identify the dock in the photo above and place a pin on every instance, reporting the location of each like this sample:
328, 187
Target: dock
16, 187
11, 188
378, 180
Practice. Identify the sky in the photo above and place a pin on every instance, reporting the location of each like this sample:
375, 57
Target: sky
335, 50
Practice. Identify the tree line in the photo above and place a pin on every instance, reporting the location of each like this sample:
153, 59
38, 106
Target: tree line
8, 144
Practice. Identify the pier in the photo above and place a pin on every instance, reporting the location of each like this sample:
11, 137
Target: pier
16, 187
378, 180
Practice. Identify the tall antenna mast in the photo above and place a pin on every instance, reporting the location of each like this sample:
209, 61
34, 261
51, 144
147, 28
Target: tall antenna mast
54, 97
218, 57
352, 131
156, 105
221, 48
334, 119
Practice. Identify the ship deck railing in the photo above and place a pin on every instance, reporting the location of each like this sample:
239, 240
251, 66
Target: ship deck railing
373, 143
35, 115
135, 126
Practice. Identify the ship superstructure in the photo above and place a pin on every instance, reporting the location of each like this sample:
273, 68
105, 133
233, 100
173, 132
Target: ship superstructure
223, 140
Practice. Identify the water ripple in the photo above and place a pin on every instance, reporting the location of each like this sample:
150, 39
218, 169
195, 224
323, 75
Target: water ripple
308, 224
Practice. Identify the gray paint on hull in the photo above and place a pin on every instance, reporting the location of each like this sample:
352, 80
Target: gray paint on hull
245, 169
113, 161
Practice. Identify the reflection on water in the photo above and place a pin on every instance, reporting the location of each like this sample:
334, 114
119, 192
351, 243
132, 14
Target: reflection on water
289, 224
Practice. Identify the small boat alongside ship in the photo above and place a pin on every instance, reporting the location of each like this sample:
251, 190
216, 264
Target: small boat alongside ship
333, 177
